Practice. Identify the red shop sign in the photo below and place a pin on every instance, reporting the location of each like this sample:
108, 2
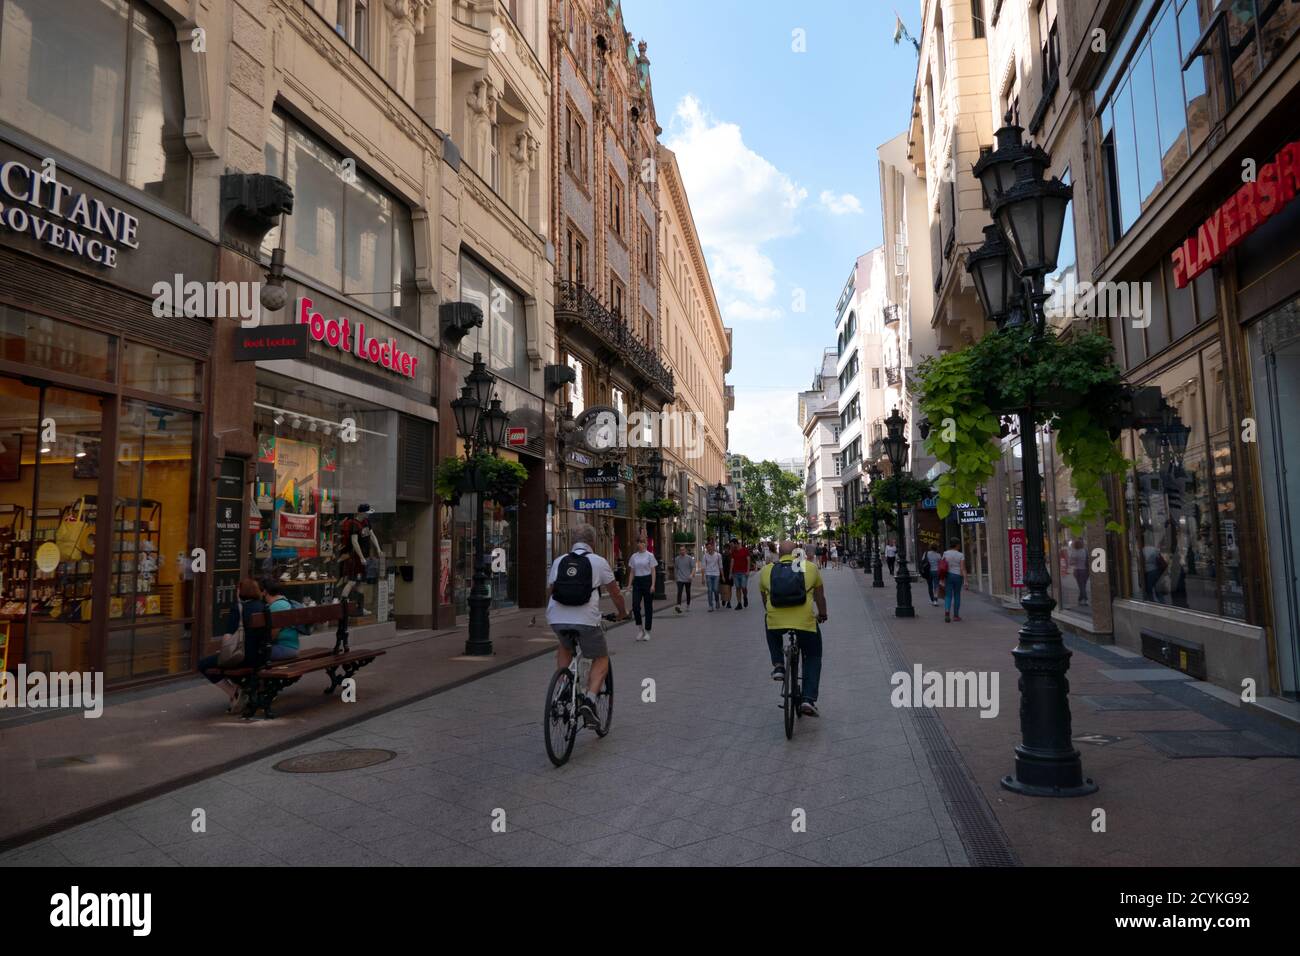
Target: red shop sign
1245, 211
341, 334
1016, 544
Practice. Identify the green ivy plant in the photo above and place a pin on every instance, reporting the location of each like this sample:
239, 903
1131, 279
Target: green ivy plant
501, 477
659, 509
1076, 389
683, 537
868, 518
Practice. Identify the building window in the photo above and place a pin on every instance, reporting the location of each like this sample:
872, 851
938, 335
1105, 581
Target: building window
977, 17
351, 21
1151, 114
647, 250
574, 254
875, 378
616, 294
576, 393
101, 81
616, 205
502, 338
1051, 43
618, 398
575, 143
494, 158
351, 235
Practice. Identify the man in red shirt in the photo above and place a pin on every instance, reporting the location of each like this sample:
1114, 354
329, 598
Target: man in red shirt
740, 573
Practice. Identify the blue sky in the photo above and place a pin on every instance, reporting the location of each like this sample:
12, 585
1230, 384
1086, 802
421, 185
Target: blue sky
778, 151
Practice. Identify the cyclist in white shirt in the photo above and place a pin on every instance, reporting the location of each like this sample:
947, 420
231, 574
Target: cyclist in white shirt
956, 577
584, 619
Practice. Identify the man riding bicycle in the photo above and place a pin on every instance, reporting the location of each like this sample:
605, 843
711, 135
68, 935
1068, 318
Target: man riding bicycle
798, 617
568, 615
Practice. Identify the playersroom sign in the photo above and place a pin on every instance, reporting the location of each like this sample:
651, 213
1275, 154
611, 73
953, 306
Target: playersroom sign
1245, 211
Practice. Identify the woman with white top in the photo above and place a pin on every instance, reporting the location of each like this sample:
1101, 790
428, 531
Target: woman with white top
956, 576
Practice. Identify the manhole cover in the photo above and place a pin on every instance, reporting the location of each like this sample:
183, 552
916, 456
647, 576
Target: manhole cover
332, 761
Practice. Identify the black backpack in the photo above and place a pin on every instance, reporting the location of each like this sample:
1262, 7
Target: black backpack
573, 580
786, 588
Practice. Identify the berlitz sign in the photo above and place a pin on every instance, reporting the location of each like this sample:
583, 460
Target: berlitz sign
75, 223
1245, 211
341, 334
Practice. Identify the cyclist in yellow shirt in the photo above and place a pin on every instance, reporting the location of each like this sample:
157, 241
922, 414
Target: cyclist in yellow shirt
798, 618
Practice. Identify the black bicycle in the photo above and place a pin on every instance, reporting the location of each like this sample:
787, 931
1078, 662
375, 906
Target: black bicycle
561, 722
791, 688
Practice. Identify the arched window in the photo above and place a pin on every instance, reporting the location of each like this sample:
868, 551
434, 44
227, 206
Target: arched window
100, 80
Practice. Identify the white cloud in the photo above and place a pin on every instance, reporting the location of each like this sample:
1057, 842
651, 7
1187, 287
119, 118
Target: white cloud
739, 311
841, 205
740, 202
765, 423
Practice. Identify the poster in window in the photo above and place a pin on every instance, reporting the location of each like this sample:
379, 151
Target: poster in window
266, 448
297, 486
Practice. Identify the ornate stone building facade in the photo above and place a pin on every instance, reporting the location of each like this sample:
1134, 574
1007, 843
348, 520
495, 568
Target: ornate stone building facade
697, 348
605, 227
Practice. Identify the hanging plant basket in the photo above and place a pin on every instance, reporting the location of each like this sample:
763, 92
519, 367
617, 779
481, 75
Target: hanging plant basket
1074, 385
684, 537
658, 510
496, 478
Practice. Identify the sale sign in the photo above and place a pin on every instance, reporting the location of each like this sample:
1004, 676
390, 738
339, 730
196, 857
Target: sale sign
1017, 542
291, 528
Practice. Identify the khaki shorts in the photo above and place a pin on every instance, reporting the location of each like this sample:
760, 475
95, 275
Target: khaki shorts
590, 639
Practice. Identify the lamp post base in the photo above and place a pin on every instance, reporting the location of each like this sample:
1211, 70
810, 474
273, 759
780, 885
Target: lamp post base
479, 643
1081, 789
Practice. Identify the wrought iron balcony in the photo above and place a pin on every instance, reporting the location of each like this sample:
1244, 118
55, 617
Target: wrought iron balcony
893, 375
575, 303
892, 314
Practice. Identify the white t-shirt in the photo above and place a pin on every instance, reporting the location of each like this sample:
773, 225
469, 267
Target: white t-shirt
589, 613
712, 563
933, 557
891, 551
956, 561
642, 563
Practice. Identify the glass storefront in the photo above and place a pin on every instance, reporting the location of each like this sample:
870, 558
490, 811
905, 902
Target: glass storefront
320, 456
74, 572
1180, 498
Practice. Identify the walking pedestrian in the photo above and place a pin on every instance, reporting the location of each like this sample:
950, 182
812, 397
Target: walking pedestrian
740, 573
891, 555
930, 563
955, 563
711, 565
683, 572
643, 566
1079, 565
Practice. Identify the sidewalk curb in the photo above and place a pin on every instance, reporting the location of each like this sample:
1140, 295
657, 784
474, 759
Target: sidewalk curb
87, 814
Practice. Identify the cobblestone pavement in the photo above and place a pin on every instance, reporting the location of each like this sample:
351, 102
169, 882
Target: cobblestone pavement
701, 776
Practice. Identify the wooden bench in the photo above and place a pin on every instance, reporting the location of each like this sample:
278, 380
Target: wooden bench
263, 686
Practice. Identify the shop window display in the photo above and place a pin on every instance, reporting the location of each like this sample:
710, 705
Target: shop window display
308, 498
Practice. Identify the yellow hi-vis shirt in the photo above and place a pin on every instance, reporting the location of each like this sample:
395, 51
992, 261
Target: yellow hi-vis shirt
800, 617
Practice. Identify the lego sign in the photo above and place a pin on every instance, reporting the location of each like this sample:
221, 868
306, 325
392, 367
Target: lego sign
1246, 210
516, 436
343, 335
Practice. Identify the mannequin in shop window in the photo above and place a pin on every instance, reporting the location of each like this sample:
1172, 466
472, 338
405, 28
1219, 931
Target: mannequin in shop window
358, 543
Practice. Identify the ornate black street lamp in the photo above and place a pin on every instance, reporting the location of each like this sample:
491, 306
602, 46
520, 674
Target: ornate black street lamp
873, 491
657, 479
1030, 215
896, 452
481, 423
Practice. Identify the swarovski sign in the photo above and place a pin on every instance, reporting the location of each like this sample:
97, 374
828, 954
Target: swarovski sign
73, 222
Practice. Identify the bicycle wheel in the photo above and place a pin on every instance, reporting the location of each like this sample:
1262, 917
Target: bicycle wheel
605, 703
796, 655
788, 693
560, 723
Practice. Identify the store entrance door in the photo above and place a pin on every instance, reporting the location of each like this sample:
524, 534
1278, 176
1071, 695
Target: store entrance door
1276, 348
50, 452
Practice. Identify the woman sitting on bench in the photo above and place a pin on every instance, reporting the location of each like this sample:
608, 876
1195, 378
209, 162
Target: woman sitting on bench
285, 639
256, 639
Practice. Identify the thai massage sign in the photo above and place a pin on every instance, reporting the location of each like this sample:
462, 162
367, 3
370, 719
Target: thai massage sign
53, 213
341, 333
1246, 210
